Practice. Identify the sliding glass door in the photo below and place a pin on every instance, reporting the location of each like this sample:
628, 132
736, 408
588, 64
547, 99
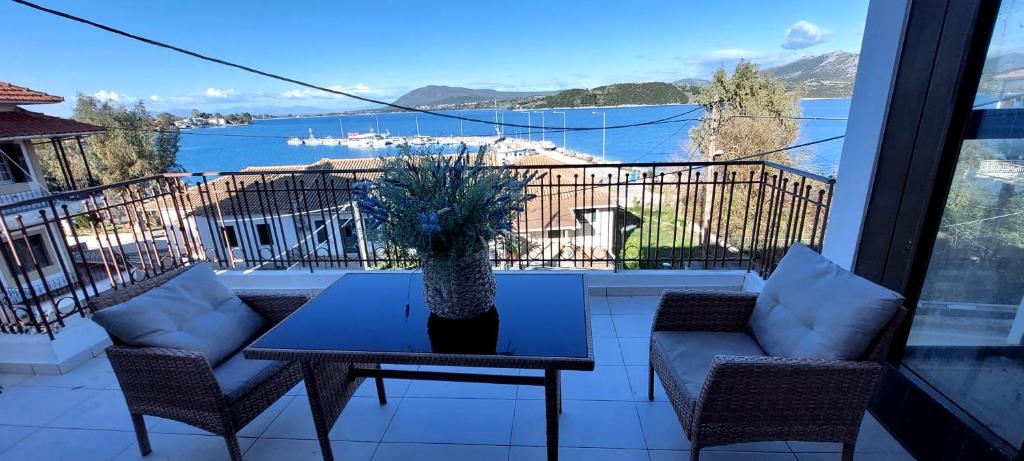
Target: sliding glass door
967, 336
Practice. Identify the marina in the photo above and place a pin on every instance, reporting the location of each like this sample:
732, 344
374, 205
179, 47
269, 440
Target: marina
508, 149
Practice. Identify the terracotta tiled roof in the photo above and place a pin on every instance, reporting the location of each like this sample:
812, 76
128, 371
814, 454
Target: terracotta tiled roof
274, 193
555, 207
13, 94
20, 123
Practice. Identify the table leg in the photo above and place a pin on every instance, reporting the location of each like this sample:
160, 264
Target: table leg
381, 396
552, 405
319, 419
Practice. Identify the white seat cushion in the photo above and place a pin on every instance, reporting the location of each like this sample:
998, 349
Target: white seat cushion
812, 308
238, 375
689, 354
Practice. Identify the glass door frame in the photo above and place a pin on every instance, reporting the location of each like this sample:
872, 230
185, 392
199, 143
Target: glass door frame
941, 57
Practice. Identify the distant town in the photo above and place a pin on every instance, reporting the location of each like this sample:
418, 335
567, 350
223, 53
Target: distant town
200, 119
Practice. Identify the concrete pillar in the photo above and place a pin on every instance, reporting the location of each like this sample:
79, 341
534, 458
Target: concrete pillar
876, 74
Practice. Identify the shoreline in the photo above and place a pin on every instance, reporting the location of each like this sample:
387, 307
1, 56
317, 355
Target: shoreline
365, 112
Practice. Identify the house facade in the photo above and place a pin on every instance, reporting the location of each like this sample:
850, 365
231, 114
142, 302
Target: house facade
38, 244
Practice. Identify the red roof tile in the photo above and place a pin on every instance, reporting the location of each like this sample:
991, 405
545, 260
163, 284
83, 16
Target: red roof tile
20, 123
13, 94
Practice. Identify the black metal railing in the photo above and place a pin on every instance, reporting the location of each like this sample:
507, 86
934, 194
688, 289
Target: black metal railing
700, 215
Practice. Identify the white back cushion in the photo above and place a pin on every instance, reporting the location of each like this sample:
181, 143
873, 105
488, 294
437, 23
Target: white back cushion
812, 308
192, 311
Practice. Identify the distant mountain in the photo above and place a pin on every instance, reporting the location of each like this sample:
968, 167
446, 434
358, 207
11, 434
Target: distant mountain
692, 82
648, 93
824, 76
437, 96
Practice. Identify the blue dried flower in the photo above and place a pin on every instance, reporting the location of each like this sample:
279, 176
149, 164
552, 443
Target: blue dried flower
429, 222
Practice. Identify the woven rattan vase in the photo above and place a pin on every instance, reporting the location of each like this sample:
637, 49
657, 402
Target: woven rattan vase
460, 289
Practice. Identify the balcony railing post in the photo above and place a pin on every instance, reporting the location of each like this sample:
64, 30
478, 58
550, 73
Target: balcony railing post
81, 251
59, 254
39, 270
14, 265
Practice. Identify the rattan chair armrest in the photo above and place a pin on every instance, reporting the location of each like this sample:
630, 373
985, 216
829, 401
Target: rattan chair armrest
274, 307
704, 310
162, 381
776, 393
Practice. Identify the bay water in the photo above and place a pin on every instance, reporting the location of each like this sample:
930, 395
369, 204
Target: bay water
264, 142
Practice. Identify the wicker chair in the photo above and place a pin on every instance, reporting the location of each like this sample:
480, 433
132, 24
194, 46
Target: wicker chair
751, 399
180, 385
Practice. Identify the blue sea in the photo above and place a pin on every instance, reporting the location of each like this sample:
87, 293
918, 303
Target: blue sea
262, 143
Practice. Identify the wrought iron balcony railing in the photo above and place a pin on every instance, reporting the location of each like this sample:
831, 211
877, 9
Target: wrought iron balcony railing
61, 249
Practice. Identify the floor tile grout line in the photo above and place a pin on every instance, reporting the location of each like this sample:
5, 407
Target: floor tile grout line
391, 420
69, 410
26, 436
265, 429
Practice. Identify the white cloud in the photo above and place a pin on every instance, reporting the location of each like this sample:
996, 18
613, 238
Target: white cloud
219, 93
154, 98
104, 95
309, 93
804, 34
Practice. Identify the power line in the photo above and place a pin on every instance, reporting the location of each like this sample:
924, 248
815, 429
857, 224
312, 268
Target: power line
983, 219
781, 149
282, 78
627, 182
649, 151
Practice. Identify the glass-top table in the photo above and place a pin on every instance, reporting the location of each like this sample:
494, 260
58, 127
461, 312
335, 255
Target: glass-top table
539, 321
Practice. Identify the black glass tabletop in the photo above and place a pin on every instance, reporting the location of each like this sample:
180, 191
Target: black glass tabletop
534, 315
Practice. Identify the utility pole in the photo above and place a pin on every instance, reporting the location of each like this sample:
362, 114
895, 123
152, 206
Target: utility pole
497, 128
714, 116
529, 125
563, 127
543, 126
604, 130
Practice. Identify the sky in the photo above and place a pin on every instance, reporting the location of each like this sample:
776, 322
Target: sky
383, 49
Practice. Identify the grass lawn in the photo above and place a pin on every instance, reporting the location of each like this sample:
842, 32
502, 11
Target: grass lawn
663, 242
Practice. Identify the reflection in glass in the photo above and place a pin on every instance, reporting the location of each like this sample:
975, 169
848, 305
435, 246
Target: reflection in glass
968, 331
475, 335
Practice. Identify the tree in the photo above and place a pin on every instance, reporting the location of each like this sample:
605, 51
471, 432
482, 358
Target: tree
747, 112
135, 144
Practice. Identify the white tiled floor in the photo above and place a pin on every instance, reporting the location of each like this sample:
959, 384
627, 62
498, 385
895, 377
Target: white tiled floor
82, 416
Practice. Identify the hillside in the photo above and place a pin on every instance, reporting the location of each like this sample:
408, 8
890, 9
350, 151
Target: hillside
437, 96
692, 82
648, 93
824, 76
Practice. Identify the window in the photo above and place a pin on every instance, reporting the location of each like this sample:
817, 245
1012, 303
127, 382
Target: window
11, 160
348, 239
5, 173
321, 231
35, 242
230, 235
263, 234
586, 216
